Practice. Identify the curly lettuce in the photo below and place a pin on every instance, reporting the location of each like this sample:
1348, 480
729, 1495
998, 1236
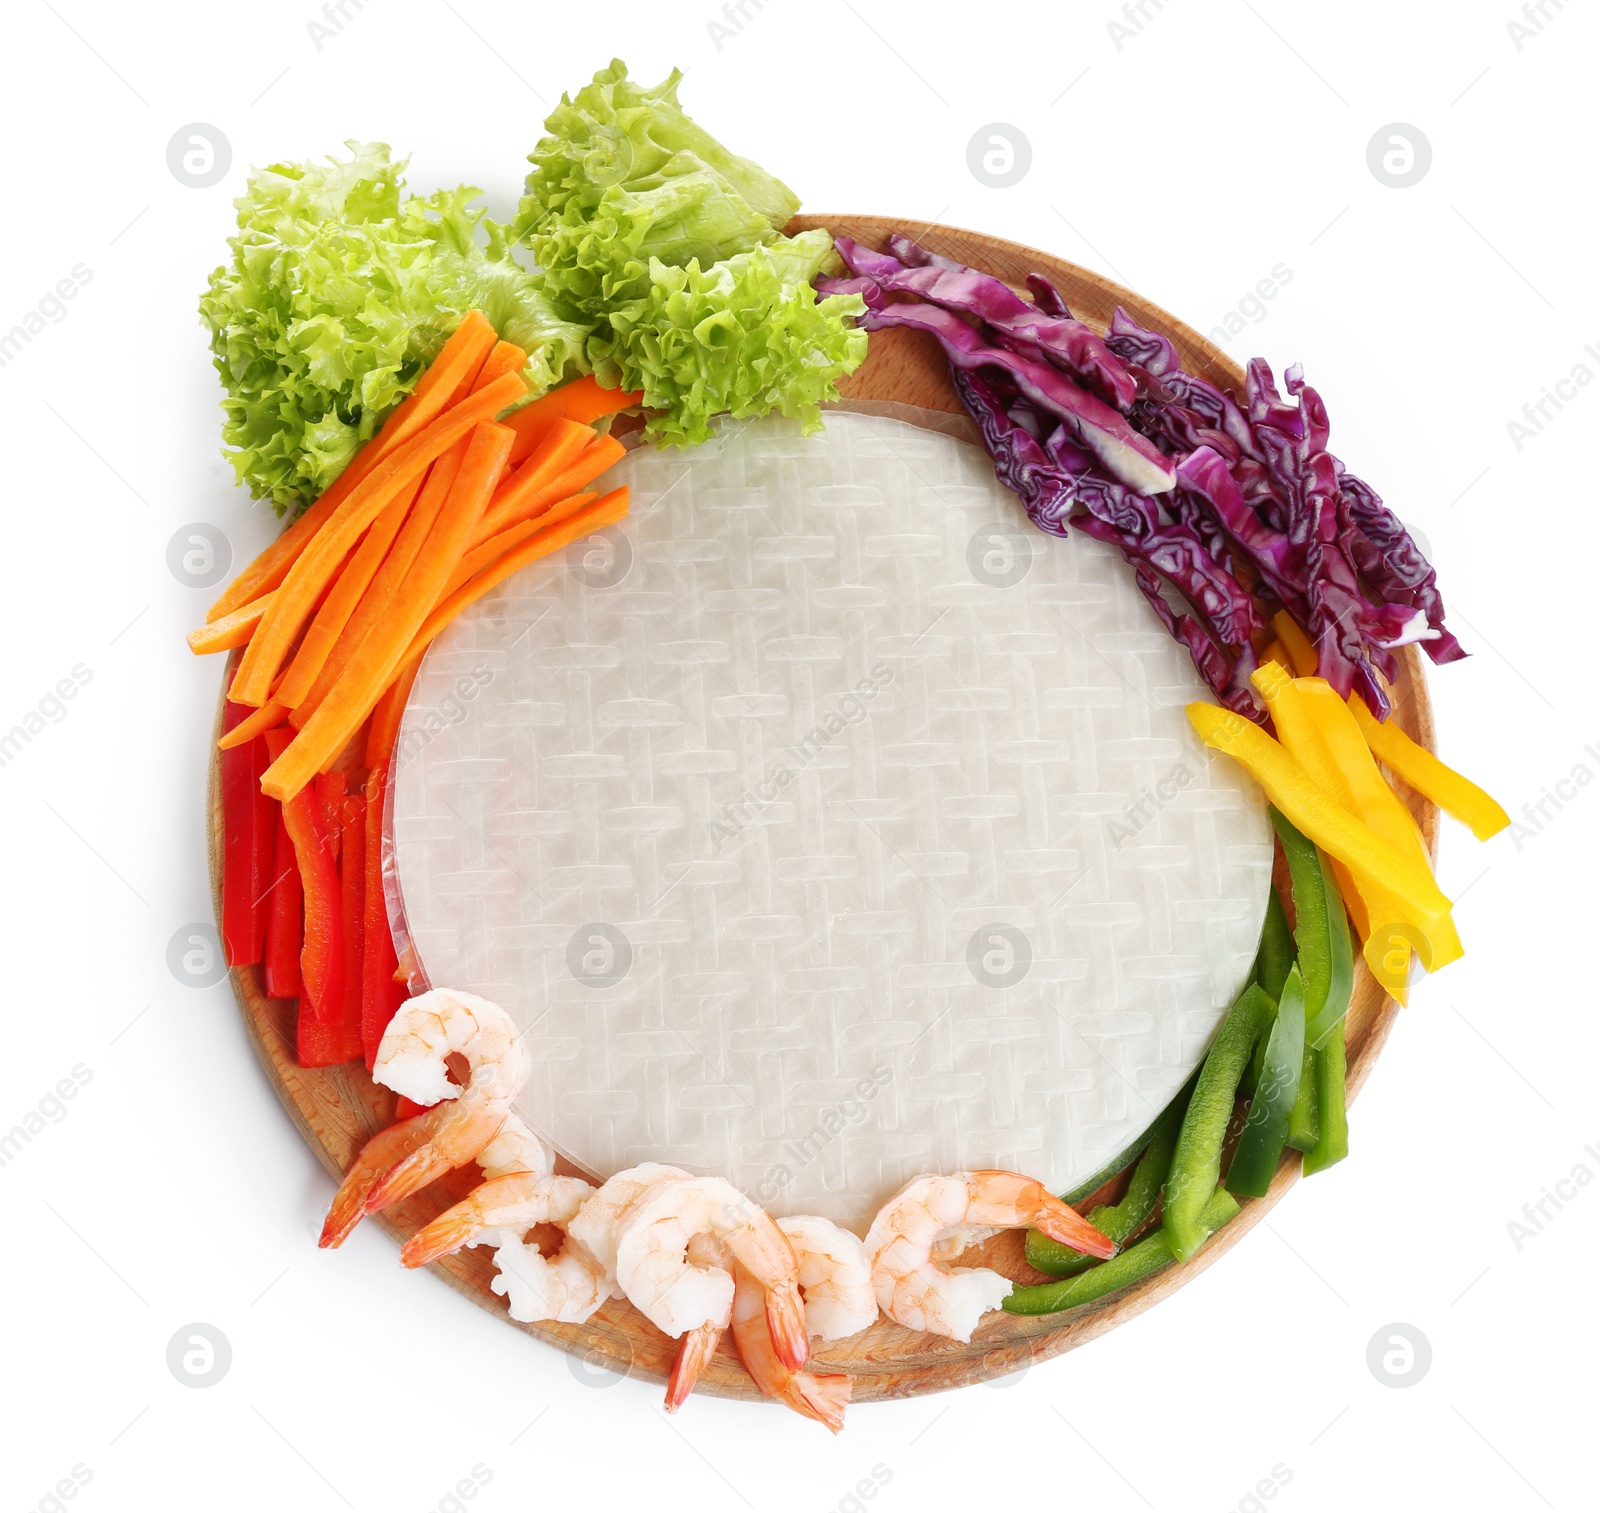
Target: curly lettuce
743, 337
670, 248
338, 292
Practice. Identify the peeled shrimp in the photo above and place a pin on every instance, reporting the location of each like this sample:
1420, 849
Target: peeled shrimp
835, 1277
699, 1344
655, 1272
567, 1286
412, 1059
601, 1217
915, 1290
516, 1149
820, 1397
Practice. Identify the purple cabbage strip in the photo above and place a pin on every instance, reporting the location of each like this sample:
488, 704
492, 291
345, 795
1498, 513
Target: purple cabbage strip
1047, 297
1058, 488
914, 256
1024, 328
1126, 455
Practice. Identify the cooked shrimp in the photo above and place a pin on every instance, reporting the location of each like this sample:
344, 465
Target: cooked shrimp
699, 1344
567, 1286
411, 1059
820, 1397
918, 1292
835, 1279
598, 1221
516, 1149
654, 1270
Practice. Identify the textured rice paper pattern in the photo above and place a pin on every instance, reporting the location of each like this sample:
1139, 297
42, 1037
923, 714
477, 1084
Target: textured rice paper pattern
825, 824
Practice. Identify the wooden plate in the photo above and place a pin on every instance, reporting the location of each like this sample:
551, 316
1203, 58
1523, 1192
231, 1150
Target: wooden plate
339, 1108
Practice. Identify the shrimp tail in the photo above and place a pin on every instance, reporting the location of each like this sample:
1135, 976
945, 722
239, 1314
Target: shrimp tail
1053, 1218
820, 1397
698, 1346
377, 1157
786, 1320
453, 1228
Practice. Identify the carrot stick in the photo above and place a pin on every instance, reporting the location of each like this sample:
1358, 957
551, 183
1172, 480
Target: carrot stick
230, 630
370, 670
384, 727
497, 546
506, 357
602, 512
582, 400
434, 392
375, 605
316, 564
595, 458
323, 632
271, 714
558, 449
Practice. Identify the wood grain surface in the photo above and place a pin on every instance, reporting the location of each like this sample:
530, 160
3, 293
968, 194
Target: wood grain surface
337, 1109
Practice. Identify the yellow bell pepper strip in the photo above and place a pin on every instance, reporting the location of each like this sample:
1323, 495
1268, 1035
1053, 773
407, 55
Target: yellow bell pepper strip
1419, 767
1316, 814
1197, 1162
1146, 1258
1301, 652
1277, 652
1319, 733
1333, 1130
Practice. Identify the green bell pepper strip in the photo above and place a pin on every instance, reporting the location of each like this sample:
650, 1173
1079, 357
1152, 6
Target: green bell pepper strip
1197, 1162
1333, 1132
1276, 953
1303, 1122
1133, 1265
1260, 1146
1117, 1221
1321, 933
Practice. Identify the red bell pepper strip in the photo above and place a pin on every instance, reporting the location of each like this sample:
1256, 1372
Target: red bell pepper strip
283, 939
246, 851
318, 1042
404, 1108
352, 906
381, 995
330, 789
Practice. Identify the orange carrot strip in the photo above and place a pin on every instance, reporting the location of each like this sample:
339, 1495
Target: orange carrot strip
370, 671
582, 400
561, 446
231, 630
371, 608
323, 632
595, 458
317, 563
380, 593
498, 545
506, 357
270, 714
466, 349
602, 512
384, 726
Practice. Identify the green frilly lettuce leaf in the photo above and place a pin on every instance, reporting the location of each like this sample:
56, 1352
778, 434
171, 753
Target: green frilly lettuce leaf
338, 292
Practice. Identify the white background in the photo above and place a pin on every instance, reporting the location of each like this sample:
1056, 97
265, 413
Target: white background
1223, 138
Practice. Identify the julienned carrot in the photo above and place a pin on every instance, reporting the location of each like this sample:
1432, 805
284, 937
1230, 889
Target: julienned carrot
465, 349
505, 357
582, 400
314, 567
560, 447
396, 568
363, 681
381, 995
323, 632
595, 458
383, 729
268, 717
231, 630
602, 512
497, 546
